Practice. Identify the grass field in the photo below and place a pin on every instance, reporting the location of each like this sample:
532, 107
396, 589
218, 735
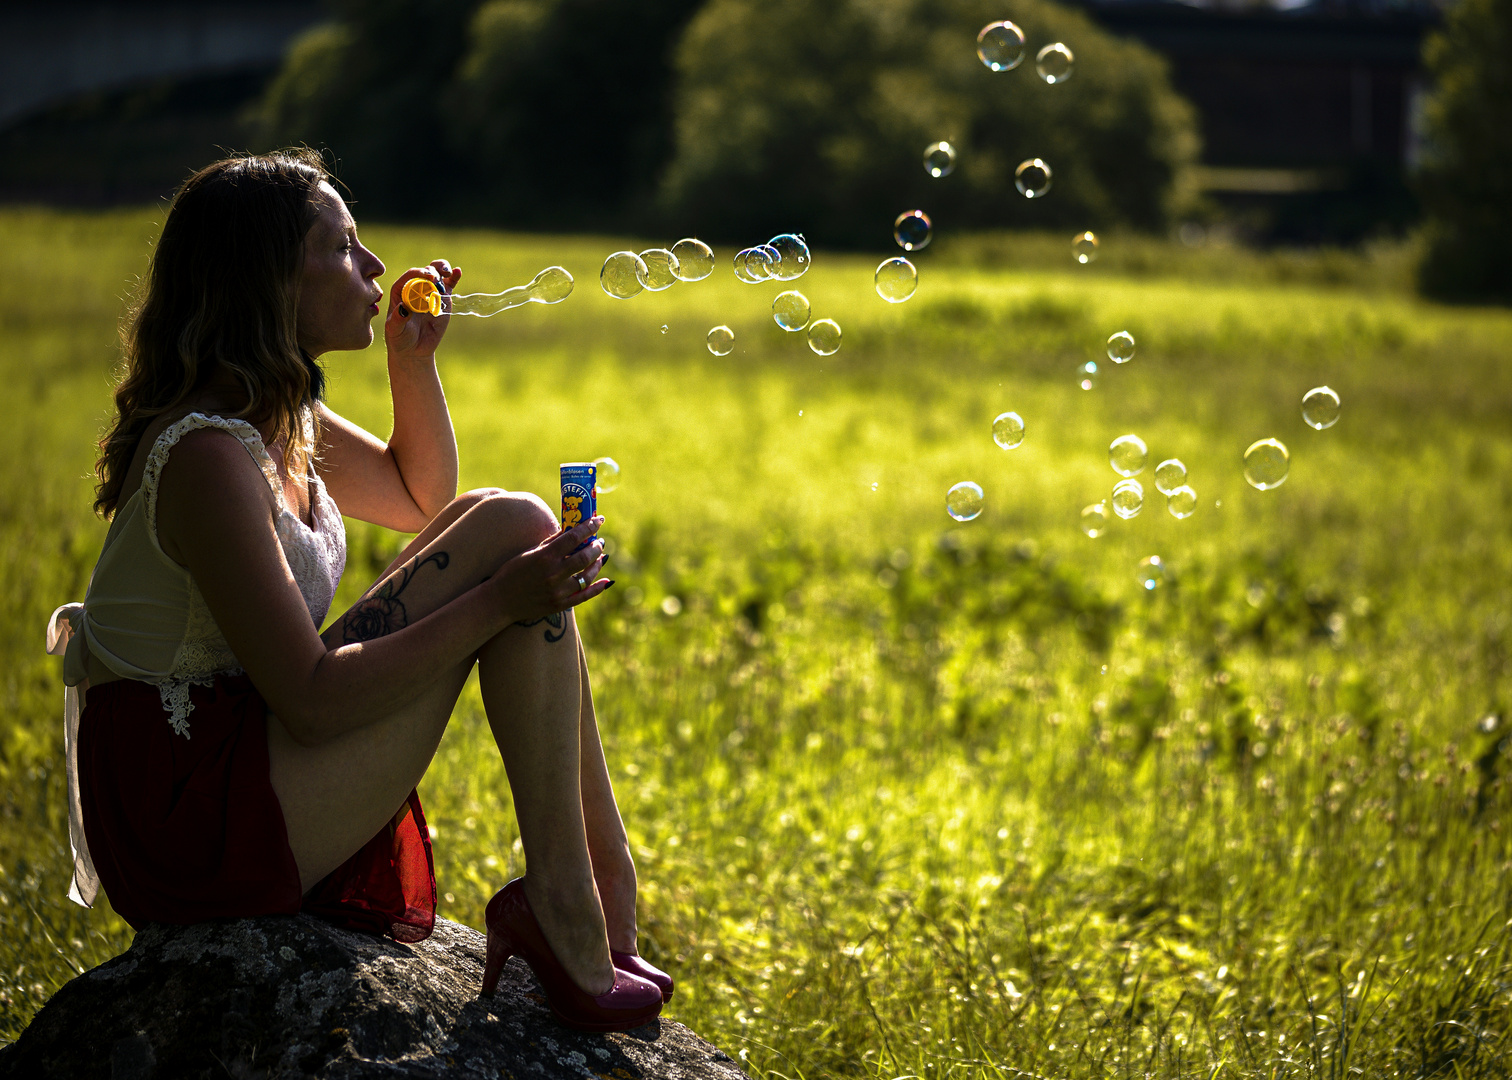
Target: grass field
908, 797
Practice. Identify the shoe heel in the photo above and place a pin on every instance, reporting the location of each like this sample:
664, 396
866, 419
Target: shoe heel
498, 955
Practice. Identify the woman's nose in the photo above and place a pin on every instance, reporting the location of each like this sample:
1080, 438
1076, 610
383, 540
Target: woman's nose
375, 265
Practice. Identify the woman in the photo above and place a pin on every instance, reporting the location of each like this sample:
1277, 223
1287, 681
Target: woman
232, 760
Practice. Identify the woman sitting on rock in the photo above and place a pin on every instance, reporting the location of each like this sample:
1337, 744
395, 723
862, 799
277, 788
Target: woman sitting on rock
231, 760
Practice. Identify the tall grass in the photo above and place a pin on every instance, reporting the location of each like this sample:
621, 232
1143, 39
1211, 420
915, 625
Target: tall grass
910, 797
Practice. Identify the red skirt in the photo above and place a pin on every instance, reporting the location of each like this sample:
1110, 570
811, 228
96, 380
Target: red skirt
183, 830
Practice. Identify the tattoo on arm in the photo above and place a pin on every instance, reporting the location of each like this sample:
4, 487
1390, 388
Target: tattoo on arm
557, 621
383, 612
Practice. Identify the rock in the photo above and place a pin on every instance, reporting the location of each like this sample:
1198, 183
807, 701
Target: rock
291, 996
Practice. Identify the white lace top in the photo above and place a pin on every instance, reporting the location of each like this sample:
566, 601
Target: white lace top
144, 618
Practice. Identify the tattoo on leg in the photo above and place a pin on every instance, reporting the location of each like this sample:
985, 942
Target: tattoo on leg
557, 621
383, 612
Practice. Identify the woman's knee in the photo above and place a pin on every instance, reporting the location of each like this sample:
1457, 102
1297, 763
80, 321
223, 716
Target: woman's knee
518, 519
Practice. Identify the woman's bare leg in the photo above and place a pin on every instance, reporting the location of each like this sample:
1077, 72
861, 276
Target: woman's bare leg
530, 678
608, 845
338, 795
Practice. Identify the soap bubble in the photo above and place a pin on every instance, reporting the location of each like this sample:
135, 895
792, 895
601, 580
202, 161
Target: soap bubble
1054, 63
1001, 46
1094, 519
1032, 178
752, 265
1127, 455
794, 255
1151, 573
1086, 375
661, 268
824, 336
896, 280
773, 259
695, 260
791, 310
608, 475
1128, 498
1170, 474
939, 159
1266, 463
1182, 502
1320, 408
624, 275
721, 341
758, 263
1084, 247
1008, 430
1121, 347
964, 501
912, 230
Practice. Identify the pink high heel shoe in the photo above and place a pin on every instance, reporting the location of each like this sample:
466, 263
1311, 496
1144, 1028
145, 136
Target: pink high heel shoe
636, 965
514, 931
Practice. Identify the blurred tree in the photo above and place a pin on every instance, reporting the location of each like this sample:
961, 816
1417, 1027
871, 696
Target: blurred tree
1466, 181
368, 86
561, 109
527, 113
814, 115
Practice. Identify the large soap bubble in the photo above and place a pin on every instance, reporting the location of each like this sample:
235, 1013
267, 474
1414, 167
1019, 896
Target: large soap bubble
964, 501
661, 268
794, 256
790, 310
1000, 46
1266, 463
1127, 455
1008, 430
912, 230
624, 275
1084, 247
896, 279
824, 337
721, 341
1054, 63
1320, 408
939, 159
695, 260
1032, 178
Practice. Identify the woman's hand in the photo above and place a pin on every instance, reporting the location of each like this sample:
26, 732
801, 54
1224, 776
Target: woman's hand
553, 576
411, 335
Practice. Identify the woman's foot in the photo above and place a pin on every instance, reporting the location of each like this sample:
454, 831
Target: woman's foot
573, 924
514, 930
637, 965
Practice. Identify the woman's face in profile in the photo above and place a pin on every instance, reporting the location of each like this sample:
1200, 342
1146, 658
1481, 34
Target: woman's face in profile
338, 290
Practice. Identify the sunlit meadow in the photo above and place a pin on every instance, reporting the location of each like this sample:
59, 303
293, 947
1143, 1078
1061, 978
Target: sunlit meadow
910, 797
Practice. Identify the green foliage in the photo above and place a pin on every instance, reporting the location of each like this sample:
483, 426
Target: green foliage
531, 113
794, 114
1466, 184
367, 86
559, 110
913, 798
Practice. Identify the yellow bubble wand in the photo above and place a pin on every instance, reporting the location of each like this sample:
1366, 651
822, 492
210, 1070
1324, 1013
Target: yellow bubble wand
551, 286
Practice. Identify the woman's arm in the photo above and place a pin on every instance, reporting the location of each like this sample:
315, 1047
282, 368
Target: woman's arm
215, 516
406, 482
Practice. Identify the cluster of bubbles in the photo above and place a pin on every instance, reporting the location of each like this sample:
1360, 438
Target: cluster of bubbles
1000, 46
626, 274
782, 258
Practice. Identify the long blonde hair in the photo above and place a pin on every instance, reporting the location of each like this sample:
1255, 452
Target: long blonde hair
222, 292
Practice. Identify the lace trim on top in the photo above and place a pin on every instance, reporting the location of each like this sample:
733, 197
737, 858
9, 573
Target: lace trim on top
316, 557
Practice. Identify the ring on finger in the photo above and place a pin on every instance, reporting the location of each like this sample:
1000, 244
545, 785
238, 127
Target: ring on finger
581, 584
